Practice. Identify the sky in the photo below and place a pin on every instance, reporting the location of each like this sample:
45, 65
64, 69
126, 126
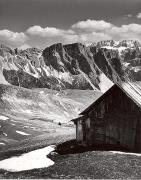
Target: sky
40, 23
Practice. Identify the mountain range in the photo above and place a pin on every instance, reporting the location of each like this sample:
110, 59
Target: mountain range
72, 66
40, 89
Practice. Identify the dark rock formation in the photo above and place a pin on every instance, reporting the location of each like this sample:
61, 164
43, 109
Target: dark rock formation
72, 66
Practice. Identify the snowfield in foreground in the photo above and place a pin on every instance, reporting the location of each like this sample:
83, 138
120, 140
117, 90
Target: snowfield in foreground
119, 152
31, 160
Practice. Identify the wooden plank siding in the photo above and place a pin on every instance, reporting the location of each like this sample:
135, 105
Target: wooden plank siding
116, 119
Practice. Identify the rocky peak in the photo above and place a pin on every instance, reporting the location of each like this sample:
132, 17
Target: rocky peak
55, 47
117, 44
73, 65
129, 43
53, 56
4, 50
75, 47
106, 43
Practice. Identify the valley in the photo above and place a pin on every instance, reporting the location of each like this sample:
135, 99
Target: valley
41, 91
70, 89
26, 114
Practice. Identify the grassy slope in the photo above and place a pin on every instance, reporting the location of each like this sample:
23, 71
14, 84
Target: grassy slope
37, 112
16, 103
94, 164
34, 112
44, 103
97, 165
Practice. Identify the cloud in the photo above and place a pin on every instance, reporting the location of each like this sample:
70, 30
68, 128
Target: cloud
93, 31
12, 38
138, 15
92, 25
92, 37
88, 31
47, 32
131, 31
128, 16
49, 35
24, 46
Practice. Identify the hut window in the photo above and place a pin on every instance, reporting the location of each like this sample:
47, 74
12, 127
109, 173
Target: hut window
100, 112
100, 115
88, 122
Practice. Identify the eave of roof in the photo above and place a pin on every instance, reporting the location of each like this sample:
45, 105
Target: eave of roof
77, 118
97, 101
133, 92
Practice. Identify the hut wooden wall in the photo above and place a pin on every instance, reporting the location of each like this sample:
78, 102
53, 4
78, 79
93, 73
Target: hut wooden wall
83, 129
116, 119
79, 130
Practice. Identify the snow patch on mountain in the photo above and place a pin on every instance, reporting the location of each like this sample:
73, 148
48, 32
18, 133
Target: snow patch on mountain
119, 49
1, 143
126, 64
4, 118
22, 133
105, 83
4, 134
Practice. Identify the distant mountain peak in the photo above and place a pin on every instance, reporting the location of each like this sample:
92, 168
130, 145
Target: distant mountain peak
72, 66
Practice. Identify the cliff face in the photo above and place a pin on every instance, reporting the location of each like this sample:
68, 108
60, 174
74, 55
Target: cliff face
109, 62
124, 57
71, 66
75, 65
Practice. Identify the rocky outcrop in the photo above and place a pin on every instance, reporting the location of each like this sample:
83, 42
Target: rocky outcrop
71, 66
108, 63
77, 61
124, 57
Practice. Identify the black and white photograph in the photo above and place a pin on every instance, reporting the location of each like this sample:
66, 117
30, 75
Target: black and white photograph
70, 89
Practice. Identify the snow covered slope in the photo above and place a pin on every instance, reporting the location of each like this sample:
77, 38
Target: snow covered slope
71, 66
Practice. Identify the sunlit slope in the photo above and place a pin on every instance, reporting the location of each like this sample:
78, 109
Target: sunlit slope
48, 105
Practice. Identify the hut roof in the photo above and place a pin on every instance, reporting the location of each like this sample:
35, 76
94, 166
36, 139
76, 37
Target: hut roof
132, 90
77, 118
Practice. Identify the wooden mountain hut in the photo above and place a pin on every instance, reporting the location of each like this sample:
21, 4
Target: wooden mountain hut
114, 118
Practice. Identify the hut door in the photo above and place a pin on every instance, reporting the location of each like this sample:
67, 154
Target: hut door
99, 130
84, 131
138, 137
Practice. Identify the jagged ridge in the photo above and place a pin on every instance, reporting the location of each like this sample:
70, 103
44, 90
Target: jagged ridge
72, 66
